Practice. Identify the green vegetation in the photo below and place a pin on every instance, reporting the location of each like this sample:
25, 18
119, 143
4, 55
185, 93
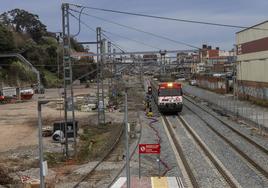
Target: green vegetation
6, 39
49, 79
93, 145
54, 158
22, 32
17, 74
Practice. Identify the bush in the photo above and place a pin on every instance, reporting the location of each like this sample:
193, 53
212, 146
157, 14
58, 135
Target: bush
20, 72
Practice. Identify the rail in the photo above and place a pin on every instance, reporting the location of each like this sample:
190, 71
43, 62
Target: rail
233, 146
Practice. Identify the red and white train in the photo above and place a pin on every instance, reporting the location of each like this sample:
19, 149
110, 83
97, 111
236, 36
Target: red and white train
167, 96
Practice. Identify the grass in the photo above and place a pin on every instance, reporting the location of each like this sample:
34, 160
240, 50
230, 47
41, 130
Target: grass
51, 79
93, 144
54, 159
95, 141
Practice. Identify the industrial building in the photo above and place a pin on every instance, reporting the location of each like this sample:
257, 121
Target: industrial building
252, 63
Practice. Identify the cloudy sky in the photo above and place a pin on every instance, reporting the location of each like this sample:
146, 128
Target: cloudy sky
234, 12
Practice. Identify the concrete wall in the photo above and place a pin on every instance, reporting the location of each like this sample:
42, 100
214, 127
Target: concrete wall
212, 83
255, 91
254, 70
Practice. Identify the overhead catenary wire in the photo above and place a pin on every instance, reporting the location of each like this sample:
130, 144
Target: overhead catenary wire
86, 25
168, 18
79, 22
139, 30
113, 43
137, 41
134, 40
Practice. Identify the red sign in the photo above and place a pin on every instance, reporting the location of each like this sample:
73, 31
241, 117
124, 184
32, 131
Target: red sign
149, 148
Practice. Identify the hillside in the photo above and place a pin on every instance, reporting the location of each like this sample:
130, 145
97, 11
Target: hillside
23, 32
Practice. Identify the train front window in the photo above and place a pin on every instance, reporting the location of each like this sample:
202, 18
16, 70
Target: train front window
170, 92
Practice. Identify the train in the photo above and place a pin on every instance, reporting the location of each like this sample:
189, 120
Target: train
167, 95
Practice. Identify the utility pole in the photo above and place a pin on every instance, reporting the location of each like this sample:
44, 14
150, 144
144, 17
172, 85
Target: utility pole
162, 55
114, 59
111, 66
141, 62
100, 96
114, 74
59, 36
127, 144
68, 74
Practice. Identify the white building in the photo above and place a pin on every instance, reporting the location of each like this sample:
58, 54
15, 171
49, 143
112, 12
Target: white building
252, 62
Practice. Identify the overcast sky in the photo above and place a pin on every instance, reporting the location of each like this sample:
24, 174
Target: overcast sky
235, 12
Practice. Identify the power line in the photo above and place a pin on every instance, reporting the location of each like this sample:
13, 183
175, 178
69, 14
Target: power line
115, 34
168, 18
113, 43
139, 30
79, 22
86, 25
82, 22
139, 42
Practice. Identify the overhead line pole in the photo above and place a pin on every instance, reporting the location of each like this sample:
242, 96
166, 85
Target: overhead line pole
109, 57
100, 51
102, 80
68, 74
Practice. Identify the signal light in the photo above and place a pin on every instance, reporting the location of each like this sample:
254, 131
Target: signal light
150, 90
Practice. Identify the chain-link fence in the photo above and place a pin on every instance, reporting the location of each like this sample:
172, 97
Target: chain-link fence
243, 109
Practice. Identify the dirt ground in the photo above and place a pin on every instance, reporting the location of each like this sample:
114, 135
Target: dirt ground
18, 122
19, 127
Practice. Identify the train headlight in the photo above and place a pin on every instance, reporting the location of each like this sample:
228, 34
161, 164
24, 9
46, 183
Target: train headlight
170, 84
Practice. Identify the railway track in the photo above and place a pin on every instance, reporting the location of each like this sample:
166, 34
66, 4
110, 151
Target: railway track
186, 167
258, 168
245, 137
131, 155
103, 159
96, 176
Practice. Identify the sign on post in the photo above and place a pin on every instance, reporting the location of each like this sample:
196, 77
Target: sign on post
149, 149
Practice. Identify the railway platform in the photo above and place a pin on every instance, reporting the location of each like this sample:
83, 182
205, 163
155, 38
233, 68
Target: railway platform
150, 182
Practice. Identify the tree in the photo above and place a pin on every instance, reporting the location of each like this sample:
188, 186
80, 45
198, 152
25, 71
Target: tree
76, 46
6, 39
23, 21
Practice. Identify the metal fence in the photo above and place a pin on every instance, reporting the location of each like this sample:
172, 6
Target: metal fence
243, 109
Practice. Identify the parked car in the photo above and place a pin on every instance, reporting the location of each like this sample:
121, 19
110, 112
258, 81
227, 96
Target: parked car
193, 82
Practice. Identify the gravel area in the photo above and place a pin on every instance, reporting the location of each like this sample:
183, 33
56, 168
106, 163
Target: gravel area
204, 171
241, 126
244, 174
253, 152
149, 164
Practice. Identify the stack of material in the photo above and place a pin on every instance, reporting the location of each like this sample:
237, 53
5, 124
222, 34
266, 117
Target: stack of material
32, 184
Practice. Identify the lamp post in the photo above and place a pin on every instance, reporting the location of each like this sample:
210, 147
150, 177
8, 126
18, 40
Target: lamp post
41, 158
127, 141
40, 141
